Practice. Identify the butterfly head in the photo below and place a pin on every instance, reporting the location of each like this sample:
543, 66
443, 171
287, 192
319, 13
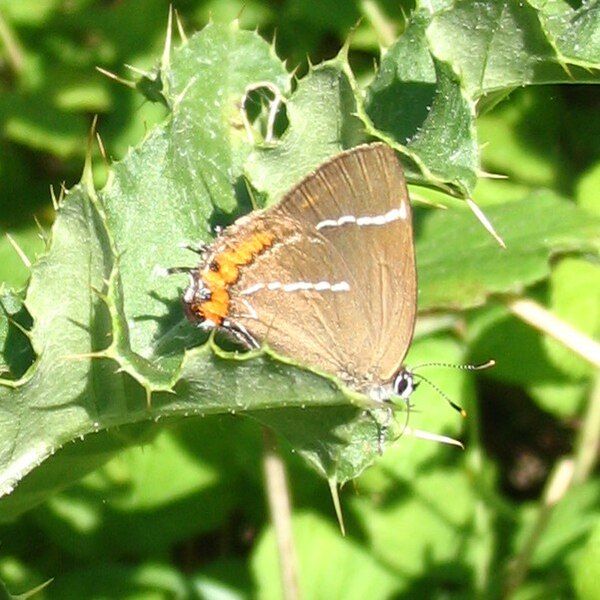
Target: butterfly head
403, 384
194, 300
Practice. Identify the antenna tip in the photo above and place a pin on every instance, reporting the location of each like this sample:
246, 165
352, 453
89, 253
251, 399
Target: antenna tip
463, 413
486, 365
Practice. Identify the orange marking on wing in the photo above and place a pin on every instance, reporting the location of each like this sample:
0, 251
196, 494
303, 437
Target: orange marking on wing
213, 279
220, 295
227, 272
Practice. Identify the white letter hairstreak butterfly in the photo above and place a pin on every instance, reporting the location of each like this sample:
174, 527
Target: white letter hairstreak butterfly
326, 277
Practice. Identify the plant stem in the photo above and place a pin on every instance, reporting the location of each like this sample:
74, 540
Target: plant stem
281, 515
536, 315
567, 472
384, 29
557, 486
484, 538
588, 443
14, 52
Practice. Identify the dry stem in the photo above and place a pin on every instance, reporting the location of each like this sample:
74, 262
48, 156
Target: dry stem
281, 515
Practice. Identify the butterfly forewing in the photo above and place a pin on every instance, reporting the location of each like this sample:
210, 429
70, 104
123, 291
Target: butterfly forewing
337, 289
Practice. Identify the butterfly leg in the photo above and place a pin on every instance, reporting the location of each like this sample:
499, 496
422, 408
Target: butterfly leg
382, 426
241, 334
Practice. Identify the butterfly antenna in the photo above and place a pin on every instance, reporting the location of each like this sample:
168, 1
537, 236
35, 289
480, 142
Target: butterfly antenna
408, 407
455, 406
480, 367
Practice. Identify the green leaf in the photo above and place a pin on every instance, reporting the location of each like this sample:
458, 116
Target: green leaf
417, 101
330, 566
28, 12
587, 190
572, 30
573, 519
224, 579
574, 298
59, 133
522, 360
321, 124
13, 271
557, 396
419, 532
16, 354
422, 100
498, 45
63, 318
186, 468
460, 266
518, 139
164, 192
114, 580
586, 567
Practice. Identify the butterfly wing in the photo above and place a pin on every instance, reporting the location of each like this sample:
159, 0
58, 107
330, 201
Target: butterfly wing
337, 289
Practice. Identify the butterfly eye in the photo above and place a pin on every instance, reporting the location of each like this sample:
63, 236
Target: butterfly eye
403, 384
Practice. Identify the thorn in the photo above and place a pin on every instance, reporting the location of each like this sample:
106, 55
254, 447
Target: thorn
274, 40
336, 504
485, 222
35, 590
14, 323
428, 202
87, 177
55, 203
42, 233
125, 82
487, 175
148, 398
102, 149
139, 71
180, 27
99, 293
346, 46
166, 55
565, 68
433, 437
18, 250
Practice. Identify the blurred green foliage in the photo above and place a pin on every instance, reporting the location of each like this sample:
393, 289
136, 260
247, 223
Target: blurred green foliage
183, 514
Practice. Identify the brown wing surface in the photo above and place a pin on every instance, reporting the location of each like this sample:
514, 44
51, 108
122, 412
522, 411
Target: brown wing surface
337, 289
